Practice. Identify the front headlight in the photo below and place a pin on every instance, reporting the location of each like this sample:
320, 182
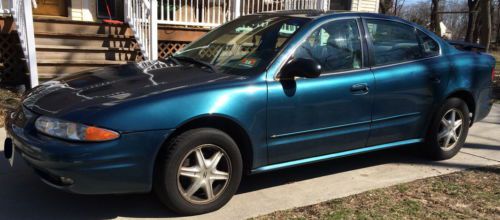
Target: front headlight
73, 131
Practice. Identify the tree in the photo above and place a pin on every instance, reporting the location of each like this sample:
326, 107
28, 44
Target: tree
498, 24
397, 6
472, 21
418, 13
485, 37
385, 6
435, 17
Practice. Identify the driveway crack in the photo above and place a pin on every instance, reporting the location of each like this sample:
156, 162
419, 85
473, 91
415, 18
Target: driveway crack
486, 158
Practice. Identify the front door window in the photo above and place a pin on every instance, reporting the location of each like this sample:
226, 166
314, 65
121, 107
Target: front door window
336, 46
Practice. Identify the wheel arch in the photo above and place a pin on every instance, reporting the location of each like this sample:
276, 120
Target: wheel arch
468, 99
220, 122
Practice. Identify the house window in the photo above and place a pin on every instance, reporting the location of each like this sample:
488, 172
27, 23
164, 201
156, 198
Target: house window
341, 5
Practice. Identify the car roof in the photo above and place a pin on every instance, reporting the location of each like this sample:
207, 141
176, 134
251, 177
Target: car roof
314, 14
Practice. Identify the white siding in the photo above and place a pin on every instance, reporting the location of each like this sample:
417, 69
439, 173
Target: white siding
83, 10
5, 5
365, 5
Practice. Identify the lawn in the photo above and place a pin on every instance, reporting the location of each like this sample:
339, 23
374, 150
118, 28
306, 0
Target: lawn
471, 194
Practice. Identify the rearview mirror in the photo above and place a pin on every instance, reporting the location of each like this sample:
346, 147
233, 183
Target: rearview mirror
301, 67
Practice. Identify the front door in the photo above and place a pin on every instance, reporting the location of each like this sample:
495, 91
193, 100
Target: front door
51, 8
315, 116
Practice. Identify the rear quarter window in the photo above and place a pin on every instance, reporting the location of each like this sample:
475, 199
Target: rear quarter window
429, 46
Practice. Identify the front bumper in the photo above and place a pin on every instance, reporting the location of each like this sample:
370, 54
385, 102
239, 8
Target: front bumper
124, 165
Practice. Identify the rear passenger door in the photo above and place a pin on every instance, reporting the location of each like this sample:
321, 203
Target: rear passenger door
407, 67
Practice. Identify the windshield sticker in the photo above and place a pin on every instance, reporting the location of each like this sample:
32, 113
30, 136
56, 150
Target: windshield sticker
248, 62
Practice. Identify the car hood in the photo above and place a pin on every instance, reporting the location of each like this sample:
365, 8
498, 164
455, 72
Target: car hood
112, 85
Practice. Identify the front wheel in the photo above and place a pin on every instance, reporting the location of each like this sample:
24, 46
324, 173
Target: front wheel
448, 130
198, 172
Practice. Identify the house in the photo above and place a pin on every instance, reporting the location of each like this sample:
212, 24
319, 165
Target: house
46, 38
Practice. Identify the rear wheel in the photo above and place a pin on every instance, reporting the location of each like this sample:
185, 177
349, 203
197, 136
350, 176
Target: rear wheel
198, 172
448, 130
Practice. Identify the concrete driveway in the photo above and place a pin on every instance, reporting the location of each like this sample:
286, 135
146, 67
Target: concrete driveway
24, 196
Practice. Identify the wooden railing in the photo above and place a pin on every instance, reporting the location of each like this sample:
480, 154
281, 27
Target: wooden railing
210, 13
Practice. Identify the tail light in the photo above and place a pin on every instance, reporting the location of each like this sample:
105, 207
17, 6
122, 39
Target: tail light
493, 74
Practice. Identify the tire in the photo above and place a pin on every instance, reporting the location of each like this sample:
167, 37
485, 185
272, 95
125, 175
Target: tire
437, 136
178, 171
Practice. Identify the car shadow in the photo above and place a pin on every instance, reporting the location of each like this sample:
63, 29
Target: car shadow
24, 196
481, 146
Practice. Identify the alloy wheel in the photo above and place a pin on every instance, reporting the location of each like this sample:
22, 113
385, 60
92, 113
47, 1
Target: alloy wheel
450, 129
204, 174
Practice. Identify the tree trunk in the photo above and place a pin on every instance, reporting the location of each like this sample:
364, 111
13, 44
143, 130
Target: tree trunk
472, 20
498, 26
485, 37
435, 18
477, 31
396, 8
385, 6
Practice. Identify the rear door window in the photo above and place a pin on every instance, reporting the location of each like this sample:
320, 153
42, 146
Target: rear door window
393, 42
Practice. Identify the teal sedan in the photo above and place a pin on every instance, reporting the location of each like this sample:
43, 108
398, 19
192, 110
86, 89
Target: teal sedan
260, 93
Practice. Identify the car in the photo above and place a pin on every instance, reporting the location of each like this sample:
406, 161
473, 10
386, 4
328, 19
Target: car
260, 93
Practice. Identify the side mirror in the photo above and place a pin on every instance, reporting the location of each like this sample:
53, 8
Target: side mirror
301, 67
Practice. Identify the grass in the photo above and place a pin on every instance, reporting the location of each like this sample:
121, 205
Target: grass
8, 101
471, 194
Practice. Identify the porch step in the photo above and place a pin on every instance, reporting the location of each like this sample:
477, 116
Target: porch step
60, 26
69, 53
79, 62
65, 47
53, 70
92, 40
81, 48
87, 55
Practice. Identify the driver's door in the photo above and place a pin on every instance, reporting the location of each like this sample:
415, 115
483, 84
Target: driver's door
316, 116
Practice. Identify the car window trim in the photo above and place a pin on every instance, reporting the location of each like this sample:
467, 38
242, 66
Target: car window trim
370, 43
292, 50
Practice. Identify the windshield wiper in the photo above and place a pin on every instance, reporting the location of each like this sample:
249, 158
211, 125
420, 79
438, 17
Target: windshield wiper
199, 62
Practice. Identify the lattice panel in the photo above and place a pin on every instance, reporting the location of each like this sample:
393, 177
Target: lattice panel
212, 50
167, 48
13, 69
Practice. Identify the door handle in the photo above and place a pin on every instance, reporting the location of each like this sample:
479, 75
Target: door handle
360, 89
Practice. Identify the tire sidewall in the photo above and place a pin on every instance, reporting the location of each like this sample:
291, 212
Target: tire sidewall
168, 186
434, 149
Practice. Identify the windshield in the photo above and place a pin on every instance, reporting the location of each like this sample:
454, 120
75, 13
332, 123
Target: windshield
243, 46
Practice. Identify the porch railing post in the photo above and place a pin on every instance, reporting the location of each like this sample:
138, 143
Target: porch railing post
322, 5
236, 9
30, 40
153, 21
126, 5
